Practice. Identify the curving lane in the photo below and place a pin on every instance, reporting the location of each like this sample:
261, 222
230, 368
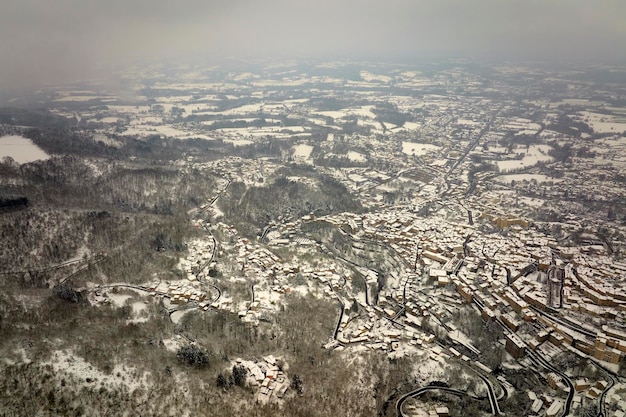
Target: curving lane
419, 391
539, 360
491, 395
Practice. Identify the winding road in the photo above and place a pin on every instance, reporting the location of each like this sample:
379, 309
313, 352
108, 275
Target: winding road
417, 392
539, 360
491, 395
602, 410
343, 307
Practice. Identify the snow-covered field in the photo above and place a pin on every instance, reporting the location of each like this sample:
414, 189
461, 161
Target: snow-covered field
602, 123
531, 156
356, 156
79, 98
362, 111
410, 126
531, 202
418, 149
69, 363
302, 151
239, 142
21, 149
466, 122
371, 77
540, 178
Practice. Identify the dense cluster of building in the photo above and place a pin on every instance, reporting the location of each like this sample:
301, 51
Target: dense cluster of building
469, 197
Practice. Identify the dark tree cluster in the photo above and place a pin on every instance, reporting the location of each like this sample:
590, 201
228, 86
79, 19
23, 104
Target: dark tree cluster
567, 126
67, 293
13, 203
297, 384
388, 113
254, 207
239, 375
192, 355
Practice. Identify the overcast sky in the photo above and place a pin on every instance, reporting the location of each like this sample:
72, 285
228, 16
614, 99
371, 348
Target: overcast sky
53, 40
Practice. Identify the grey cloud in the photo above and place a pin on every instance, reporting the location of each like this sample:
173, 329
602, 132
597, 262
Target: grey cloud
52, 40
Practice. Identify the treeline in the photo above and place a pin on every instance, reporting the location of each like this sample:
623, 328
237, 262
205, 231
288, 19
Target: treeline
13, 203
567, 126
72, 207
144, 377
339, 162
263, 147
255, 207
38, 239
240, 124
367, 254
69, 141
131, 187
389, 113
39, 118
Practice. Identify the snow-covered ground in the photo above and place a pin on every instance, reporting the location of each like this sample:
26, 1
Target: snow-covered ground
69, 363
371, 77
21, 149
602, 123
531, 156
540, 178
418, 149
239, 142
356, 156
302, 151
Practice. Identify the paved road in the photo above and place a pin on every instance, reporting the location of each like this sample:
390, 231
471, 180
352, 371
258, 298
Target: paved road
218, 195
539, 360
491, 395
342, 308
53, 267
565, 322
417, 392
93, 261
348, 261
602, 410
474, 143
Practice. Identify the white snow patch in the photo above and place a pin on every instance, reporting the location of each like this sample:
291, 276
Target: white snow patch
602, 123
356, 156
371, 77
21, 149
418, 149
68, 363
302, 151
540, 178
533, 155
119, 299
239, 142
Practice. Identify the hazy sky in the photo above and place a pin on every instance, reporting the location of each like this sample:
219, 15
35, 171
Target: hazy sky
52, 40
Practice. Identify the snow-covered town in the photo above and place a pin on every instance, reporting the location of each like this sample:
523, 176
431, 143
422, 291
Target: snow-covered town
474, 227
